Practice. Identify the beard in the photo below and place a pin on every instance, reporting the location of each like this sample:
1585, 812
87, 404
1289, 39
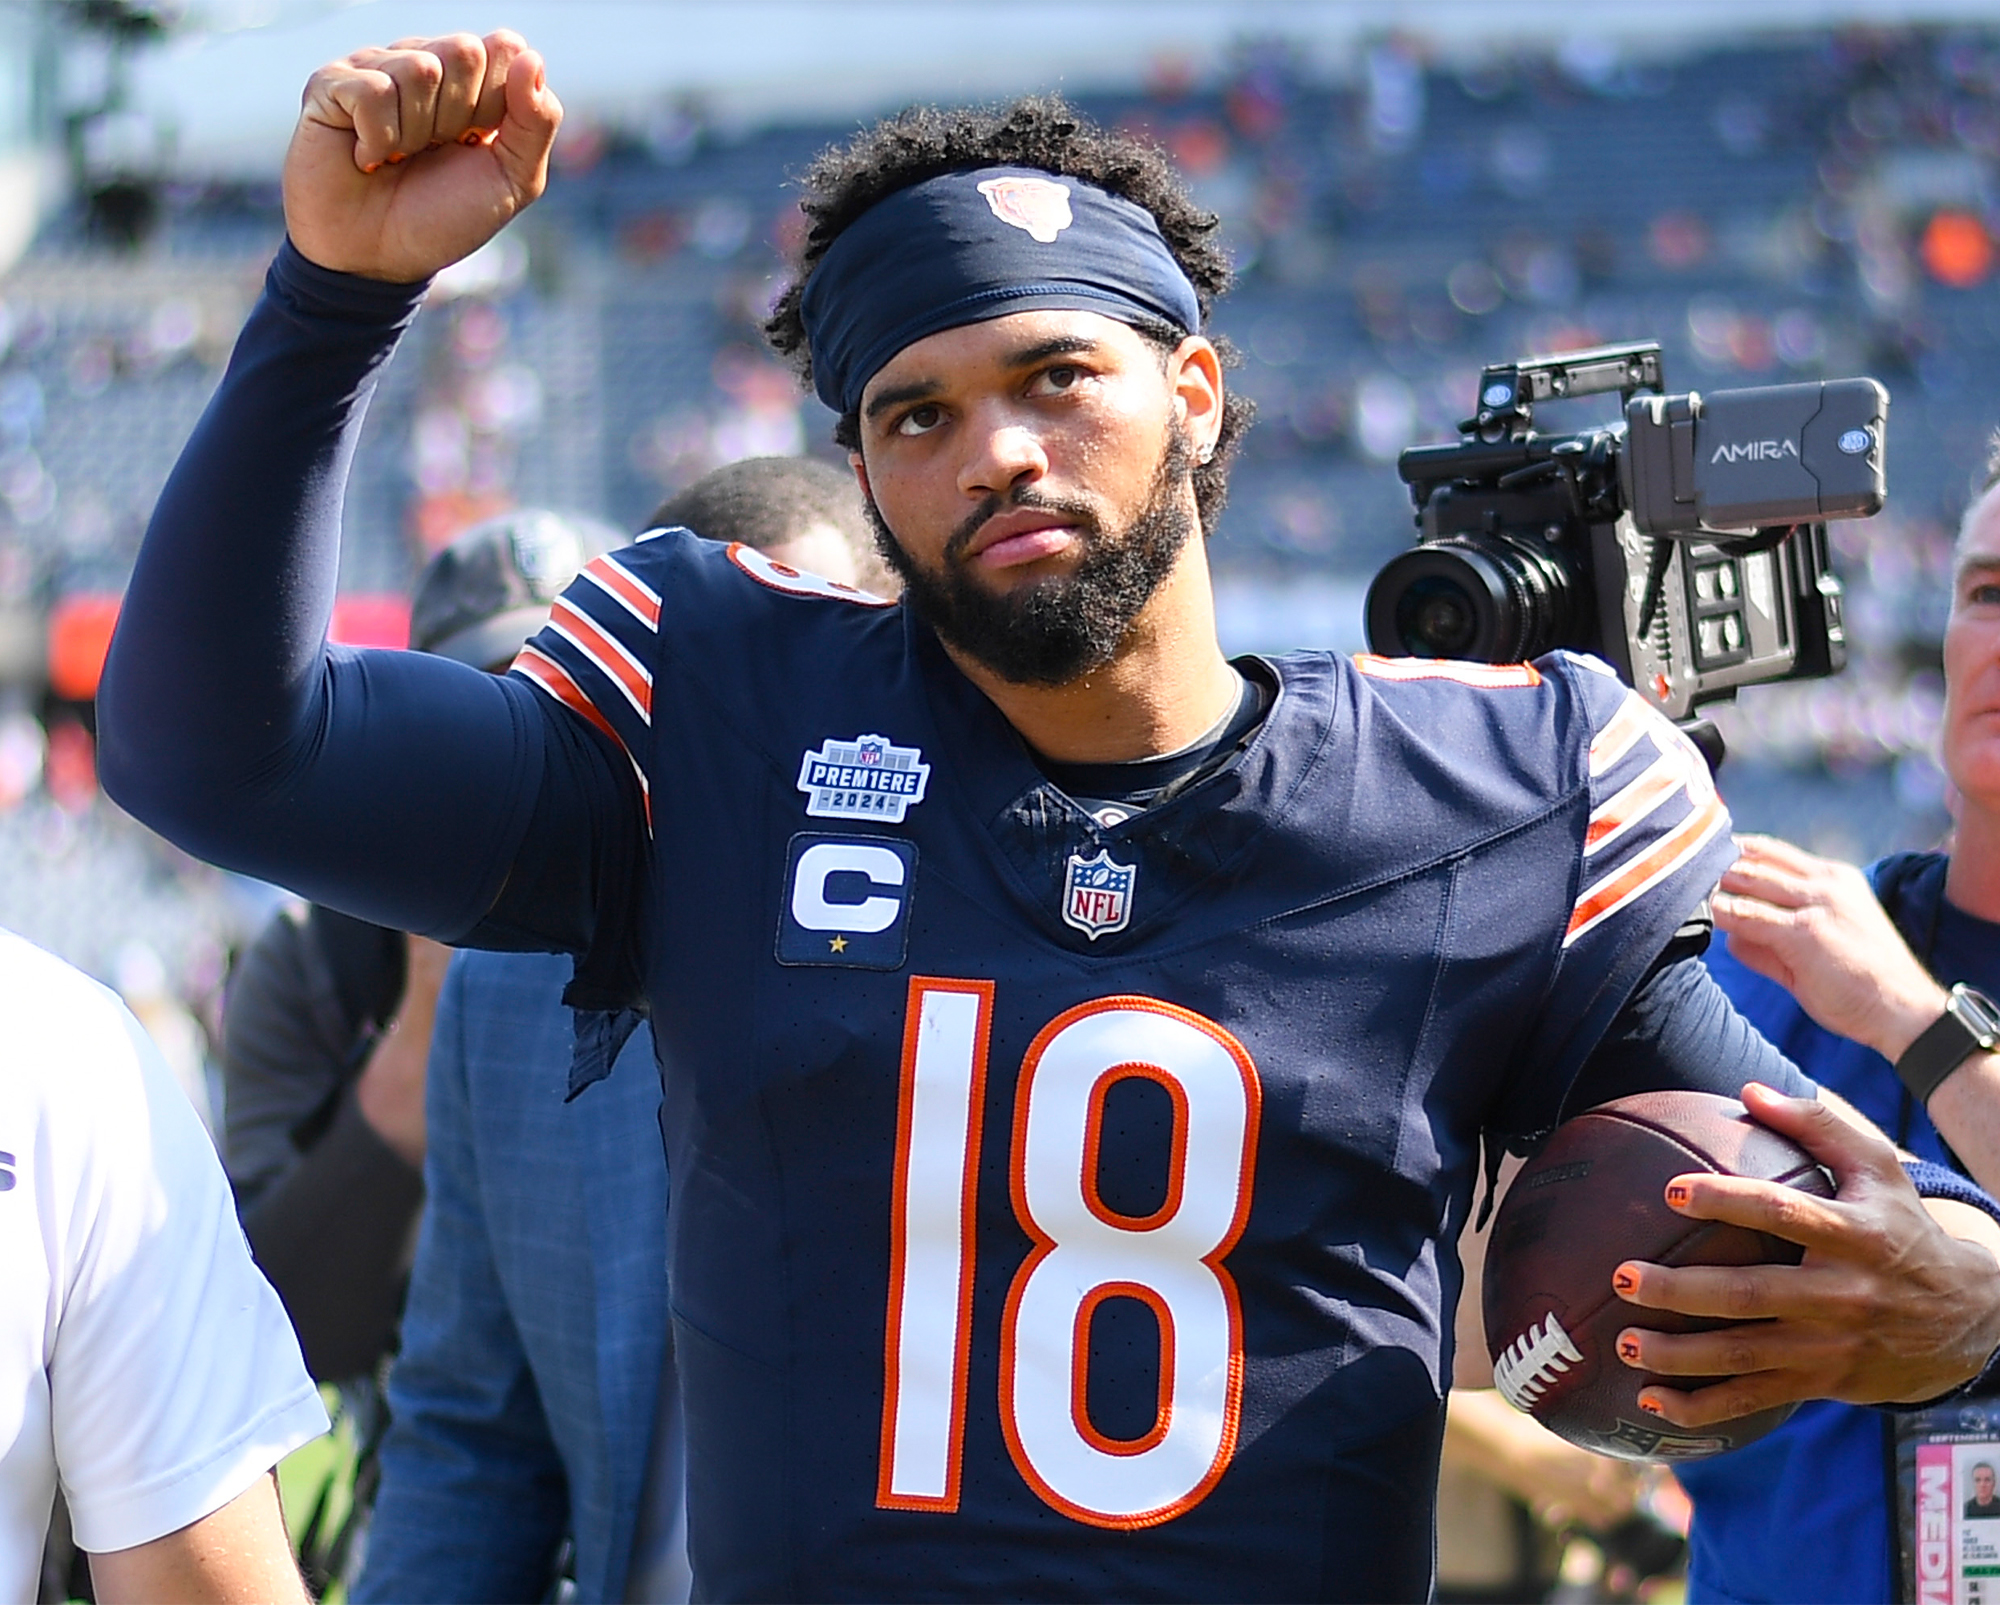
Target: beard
1049, 632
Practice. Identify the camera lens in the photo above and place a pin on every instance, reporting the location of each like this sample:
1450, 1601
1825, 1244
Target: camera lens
1489, 598
1436, 618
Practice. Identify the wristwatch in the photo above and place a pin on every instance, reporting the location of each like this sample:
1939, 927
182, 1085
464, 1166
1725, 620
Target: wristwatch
1970, 1024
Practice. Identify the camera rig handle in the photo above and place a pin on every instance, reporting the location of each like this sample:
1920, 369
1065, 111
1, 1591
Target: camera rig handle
1508, 391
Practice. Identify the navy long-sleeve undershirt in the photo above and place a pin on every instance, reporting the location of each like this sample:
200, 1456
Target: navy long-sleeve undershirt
421, 794
391, 785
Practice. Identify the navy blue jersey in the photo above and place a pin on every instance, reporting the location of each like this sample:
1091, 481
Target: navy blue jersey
1063, 1210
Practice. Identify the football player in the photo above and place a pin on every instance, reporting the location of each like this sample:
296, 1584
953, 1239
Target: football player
1081, 1045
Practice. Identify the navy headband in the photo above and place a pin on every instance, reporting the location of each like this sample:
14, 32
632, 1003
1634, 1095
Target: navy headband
965, 247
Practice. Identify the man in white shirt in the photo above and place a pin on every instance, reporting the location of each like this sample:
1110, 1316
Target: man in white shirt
144, 1360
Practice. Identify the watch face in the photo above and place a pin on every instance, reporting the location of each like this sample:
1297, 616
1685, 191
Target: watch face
1979, 1014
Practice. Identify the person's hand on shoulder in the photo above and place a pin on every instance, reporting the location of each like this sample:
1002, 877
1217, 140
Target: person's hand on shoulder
1896, 1301
1814, 926
409, 158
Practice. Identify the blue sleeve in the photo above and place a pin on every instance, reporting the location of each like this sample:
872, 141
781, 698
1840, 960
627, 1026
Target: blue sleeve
1933, 1180
391, 785
1679, 1030
1653, 845
473, 1499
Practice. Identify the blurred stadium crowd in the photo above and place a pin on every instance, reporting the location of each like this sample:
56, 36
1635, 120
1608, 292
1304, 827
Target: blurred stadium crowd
1817, 205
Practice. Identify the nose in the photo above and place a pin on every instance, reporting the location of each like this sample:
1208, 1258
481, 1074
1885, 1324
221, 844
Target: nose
1002, 454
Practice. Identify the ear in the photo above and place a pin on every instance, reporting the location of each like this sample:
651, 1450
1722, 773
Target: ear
1195, 372
860, 473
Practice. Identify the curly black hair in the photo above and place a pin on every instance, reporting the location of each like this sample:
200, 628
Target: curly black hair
1041, 131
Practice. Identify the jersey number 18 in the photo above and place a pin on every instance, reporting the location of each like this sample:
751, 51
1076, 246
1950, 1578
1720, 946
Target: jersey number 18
1084, 1253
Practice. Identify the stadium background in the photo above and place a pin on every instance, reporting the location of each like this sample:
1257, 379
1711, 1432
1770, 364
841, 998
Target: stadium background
1774, 191
1784, 201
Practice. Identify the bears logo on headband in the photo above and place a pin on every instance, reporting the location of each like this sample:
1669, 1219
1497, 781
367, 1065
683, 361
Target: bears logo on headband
1038, 205
949, 250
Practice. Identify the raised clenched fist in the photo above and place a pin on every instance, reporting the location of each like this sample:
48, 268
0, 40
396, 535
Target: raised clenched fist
408, 158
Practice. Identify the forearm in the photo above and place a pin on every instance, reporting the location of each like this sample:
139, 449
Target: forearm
1679, 1031
390, 785
390, 1090
1818, 929
1487, 1436
218, 657
1968, 1224
1966, 1111
1965, 1108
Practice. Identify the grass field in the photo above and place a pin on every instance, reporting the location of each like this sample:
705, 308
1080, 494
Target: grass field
316, 1482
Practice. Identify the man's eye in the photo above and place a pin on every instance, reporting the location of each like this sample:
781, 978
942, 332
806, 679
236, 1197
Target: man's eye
920, 420
1064, 377
1984, 595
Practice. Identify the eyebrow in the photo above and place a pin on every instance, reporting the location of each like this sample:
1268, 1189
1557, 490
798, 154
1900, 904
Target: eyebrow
896, 395
1976, 566
1061, 345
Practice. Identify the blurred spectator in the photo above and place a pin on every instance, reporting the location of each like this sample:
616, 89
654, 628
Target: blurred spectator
1773, 209
536, 1396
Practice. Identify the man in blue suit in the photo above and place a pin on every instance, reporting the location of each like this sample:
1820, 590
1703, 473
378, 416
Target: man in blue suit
534, 1337
534, 1400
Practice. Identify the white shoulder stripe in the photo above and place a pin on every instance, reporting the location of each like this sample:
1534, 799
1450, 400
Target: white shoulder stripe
607, 654
1662, 780
643, 606
1625, 886
1632, 720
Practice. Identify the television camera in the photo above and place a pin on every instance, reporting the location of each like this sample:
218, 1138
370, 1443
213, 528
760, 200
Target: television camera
1685, 544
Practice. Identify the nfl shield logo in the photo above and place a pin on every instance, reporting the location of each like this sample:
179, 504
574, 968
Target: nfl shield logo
1040, 206
1097, 894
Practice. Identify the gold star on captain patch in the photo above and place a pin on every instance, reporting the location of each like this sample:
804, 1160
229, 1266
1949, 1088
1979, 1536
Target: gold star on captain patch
838, 944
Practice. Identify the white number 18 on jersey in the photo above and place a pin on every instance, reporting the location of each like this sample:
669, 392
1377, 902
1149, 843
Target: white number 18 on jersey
1085, 1252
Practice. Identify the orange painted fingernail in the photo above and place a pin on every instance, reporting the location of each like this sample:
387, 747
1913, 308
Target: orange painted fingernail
1649, 1407
1677, 1193
1628, 1350
471, 136
1624, 1282
400, 156
372, 167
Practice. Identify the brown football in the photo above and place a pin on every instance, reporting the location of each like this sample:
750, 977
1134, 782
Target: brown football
1593, 1198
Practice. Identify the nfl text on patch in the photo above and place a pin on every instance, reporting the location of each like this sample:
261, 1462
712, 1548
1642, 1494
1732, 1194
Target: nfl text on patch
1097, 893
